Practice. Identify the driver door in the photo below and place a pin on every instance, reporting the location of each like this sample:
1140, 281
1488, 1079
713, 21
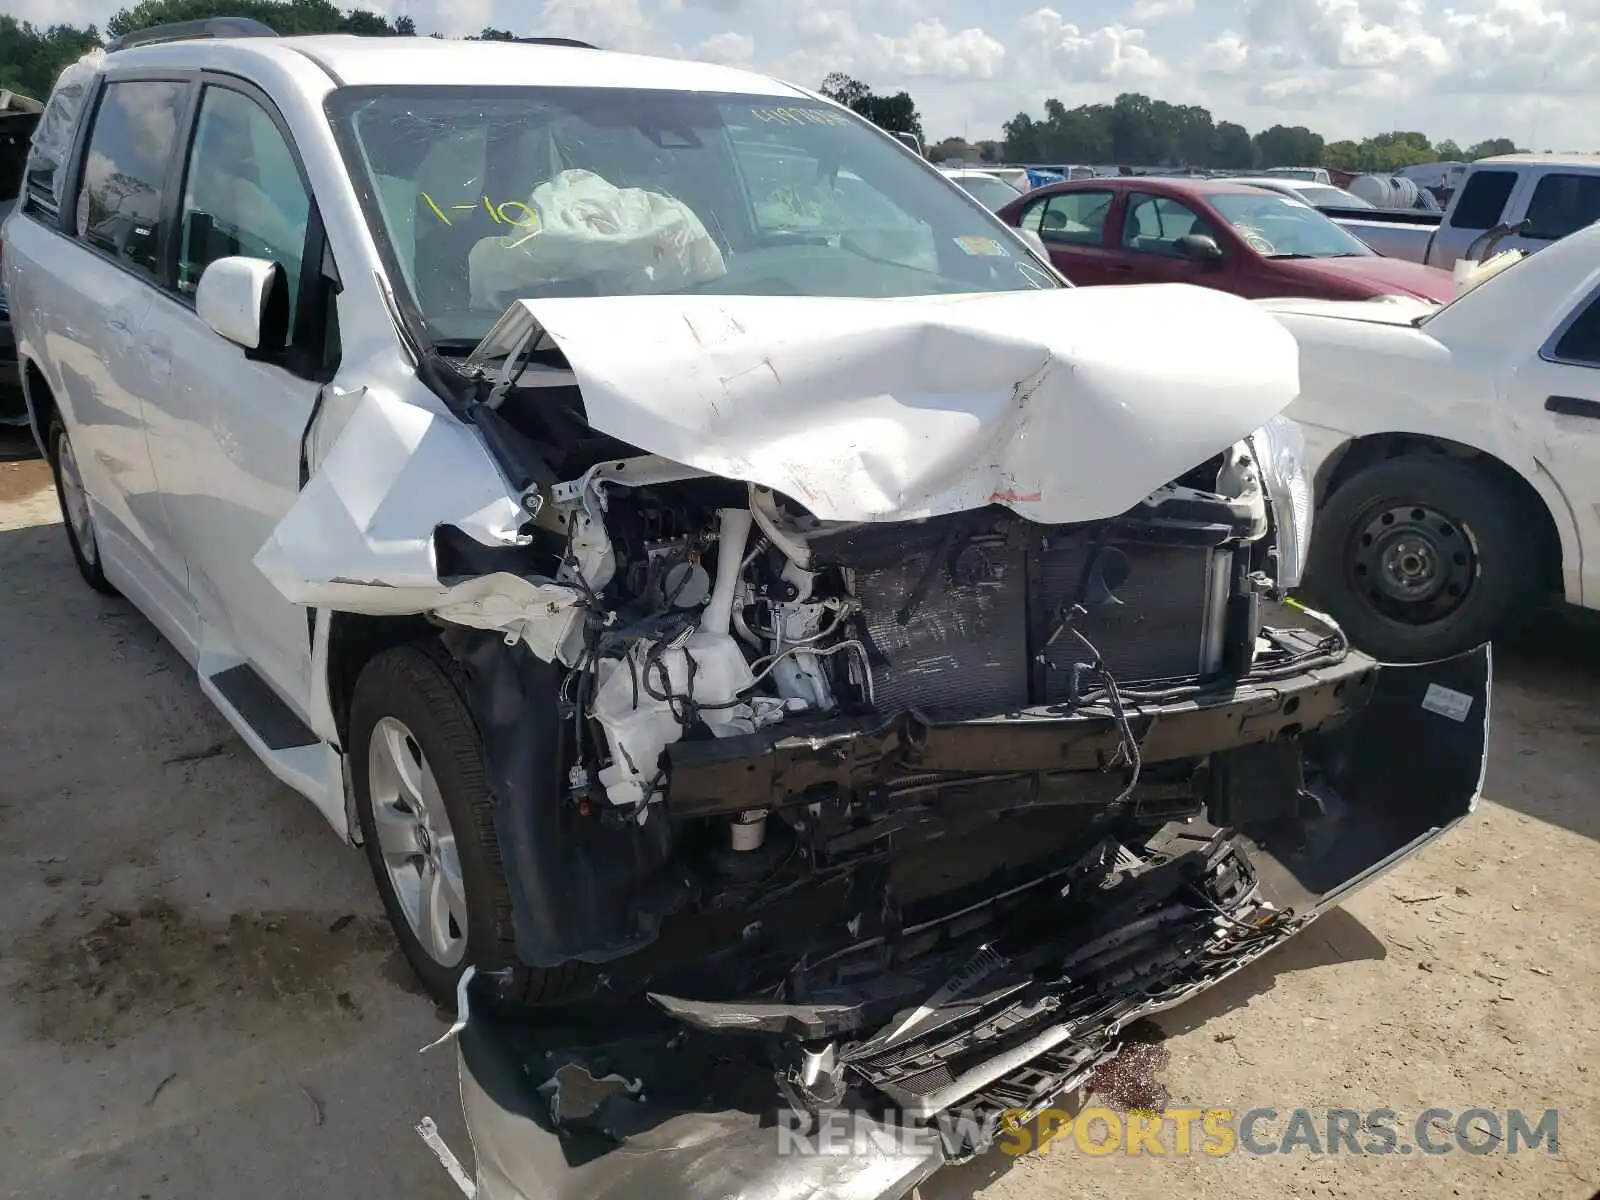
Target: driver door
1151, 228
225, 426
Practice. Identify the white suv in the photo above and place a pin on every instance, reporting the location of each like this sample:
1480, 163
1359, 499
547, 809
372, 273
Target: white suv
700, 551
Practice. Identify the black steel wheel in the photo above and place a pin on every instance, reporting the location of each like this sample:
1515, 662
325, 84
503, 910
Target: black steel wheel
1422, 557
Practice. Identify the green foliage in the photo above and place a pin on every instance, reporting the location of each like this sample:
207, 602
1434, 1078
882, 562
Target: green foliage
31, 56
896, 113
1137, 130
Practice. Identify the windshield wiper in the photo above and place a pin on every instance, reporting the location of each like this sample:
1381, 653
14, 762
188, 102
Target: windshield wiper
1303, 256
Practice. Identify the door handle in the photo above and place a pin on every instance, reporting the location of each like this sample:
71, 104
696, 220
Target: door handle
1573, 406
1125, 268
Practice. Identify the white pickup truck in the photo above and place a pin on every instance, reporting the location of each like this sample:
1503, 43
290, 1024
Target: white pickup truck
1547, 195
1454, 452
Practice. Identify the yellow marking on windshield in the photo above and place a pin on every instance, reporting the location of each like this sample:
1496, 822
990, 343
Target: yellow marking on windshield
515, 213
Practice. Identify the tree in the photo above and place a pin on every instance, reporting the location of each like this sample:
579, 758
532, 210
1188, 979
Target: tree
1235, 151
1023, 139
1449, 151
1343, 156
844, 90
894, 114
1493, 146
31, 57
1288, 146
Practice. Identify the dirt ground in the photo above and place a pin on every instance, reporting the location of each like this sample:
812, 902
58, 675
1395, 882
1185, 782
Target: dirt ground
201, 999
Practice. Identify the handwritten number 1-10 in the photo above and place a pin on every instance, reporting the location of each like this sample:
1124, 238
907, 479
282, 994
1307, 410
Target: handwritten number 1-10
500, 214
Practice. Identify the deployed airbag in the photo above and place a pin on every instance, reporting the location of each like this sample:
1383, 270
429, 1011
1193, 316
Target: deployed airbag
580, 226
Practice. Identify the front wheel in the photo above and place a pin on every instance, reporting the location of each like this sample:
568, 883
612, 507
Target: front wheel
427, 821
1423, 557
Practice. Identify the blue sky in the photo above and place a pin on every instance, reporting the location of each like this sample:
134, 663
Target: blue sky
1525, 69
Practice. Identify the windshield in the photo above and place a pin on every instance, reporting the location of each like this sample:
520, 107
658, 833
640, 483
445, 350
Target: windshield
1282, 227
993, 194
481, 197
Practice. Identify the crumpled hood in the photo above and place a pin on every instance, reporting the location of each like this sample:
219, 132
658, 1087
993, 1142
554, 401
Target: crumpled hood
1065, 405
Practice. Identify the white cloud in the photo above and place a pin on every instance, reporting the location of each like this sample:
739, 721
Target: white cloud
1145, 12
1110, 54
614, 24
930, 51
1226, 55
1468, 69
732, 49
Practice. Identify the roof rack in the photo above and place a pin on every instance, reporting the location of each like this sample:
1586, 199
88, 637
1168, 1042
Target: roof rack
183, 31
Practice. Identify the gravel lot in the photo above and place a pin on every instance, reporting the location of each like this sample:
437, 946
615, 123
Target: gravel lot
202, 1000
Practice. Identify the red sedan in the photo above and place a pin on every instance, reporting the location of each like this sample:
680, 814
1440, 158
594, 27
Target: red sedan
1214, 233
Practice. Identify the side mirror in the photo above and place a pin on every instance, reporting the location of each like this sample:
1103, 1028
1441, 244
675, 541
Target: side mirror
245, 300
1198, 247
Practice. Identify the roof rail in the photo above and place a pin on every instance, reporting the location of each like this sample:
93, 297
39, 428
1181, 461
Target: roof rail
183, 31
556, 41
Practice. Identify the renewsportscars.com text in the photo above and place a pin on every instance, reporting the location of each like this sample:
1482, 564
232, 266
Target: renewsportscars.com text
1180, 1131
1262, 1131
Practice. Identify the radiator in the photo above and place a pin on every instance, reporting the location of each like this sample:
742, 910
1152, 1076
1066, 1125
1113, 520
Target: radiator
964, 647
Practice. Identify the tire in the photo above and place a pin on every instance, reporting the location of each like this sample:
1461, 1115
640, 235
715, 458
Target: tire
415, 688
1368, 543
77, 521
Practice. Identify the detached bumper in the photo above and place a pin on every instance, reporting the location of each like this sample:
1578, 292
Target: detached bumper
668, 1121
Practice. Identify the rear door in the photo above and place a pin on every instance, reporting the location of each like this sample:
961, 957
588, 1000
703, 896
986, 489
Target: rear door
1557, 392
87, 290
227, 427
1073, 226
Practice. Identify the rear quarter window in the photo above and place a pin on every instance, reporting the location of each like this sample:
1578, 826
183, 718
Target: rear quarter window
125, 170
1483, 200
1581, 341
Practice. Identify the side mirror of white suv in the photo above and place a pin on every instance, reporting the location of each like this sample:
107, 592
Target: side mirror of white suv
245, 300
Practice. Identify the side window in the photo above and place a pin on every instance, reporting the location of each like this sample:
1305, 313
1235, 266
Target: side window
1070, 218
1154, 224
242, 193
1563, 204
125, 170
1581, 342
1483, 200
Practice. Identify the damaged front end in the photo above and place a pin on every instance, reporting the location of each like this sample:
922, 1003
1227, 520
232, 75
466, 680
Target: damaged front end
860, 1069
887, 701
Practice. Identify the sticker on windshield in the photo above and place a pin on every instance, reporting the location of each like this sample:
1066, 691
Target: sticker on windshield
789, 115
981, 247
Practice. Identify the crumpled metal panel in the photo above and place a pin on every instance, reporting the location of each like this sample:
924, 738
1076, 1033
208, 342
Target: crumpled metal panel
1068, 405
